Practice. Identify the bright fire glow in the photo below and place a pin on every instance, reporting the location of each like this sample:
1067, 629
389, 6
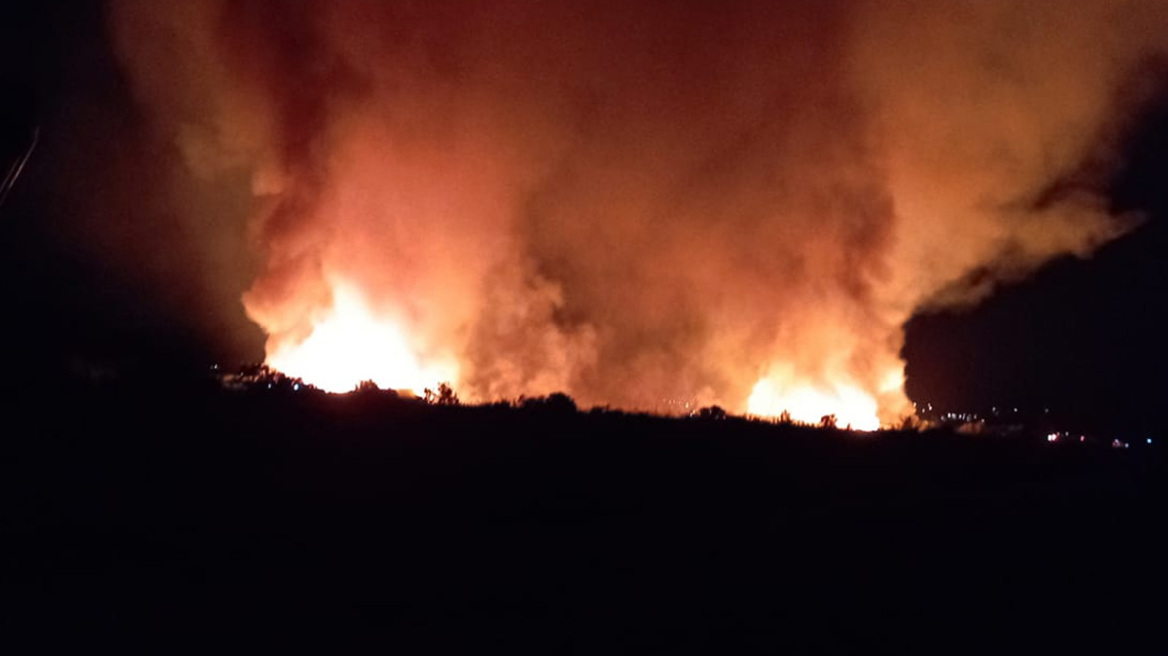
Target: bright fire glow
349, 344
808, 403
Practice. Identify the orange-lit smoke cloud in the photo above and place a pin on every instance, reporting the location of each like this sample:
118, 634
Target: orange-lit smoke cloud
633, 201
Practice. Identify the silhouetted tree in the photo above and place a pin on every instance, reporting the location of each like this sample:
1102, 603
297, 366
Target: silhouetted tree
828, 421
785, 417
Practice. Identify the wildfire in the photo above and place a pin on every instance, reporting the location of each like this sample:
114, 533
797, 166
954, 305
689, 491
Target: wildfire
350, 344
809, 403
544, 220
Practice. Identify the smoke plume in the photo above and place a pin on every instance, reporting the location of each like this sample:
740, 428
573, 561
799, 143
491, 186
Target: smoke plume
635, 202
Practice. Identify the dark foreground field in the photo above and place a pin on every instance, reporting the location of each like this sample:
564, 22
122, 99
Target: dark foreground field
176, 517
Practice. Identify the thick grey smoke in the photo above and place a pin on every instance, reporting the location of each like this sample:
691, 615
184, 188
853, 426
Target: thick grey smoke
637, 201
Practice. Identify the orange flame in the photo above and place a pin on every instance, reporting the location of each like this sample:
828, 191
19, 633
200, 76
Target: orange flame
351, 344
809, 404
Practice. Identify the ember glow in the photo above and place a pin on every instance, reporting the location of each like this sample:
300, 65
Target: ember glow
737, 202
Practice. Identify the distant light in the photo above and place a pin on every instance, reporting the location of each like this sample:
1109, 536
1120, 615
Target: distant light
1053, 437
1082, 438
1149, 440
295, 387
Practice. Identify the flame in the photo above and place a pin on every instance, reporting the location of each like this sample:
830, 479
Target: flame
350, 344
809, 403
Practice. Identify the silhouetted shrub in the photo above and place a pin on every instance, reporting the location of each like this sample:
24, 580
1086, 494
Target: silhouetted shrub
911, 423
263, 378
557, 402
561, 402
714, 412
444, 396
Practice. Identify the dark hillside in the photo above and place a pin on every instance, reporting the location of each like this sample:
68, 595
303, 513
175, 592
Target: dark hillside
176, 514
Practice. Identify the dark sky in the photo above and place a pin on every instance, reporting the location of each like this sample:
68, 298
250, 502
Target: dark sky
1082, 337
70, 298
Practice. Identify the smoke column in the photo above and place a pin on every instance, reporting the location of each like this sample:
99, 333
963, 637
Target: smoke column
724, 202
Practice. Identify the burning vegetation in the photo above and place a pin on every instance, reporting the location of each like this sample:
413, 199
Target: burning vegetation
733, 203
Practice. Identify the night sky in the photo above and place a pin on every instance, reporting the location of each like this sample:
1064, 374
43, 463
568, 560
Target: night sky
1084, 338
76, 303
